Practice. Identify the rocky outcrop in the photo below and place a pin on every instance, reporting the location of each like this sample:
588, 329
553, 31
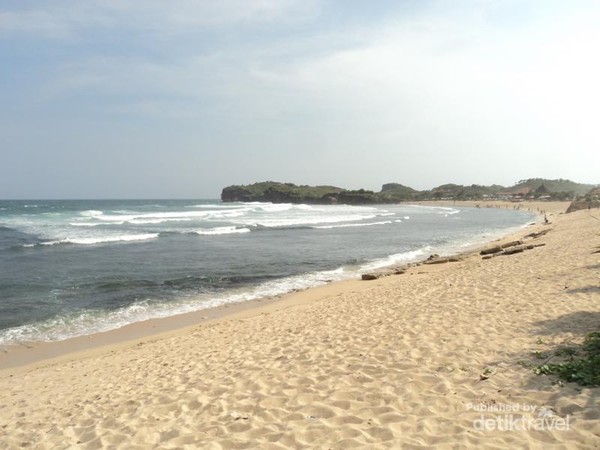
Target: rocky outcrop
369, 276
578, 205
275, 192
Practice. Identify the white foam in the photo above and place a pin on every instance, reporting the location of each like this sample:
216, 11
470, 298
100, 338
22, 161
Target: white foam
304, 207
91, 213
156, 221
450, 213
276, 207
441, 208
87, 224
221, 230
335, 216
242, 215
349, 225
121, 238
305, 220
228, 214
228, 206
69, 326
153, 216
98, 240
73, 325
395, 259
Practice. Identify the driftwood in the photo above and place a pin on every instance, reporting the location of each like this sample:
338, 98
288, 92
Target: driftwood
513, 250
511, 244
499, 248
442, 260
369, 276
490, 251
537, 235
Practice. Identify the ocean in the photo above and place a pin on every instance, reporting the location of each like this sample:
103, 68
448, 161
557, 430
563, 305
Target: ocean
71, 268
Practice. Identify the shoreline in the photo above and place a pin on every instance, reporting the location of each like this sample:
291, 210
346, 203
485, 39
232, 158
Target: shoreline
31, 354
416, 360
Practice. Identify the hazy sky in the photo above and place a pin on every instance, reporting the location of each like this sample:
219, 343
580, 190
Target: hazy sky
148, 98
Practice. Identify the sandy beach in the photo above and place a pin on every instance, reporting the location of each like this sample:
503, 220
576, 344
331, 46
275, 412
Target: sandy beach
433, 357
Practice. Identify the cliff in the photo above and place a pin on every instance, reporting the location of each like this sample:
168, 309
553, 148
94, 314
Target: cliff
275, 192
271, 191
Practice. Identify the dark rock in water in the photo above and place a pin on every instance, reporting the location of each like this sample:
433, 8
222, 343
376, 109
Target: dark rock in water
434, 256
369, 276
490, 251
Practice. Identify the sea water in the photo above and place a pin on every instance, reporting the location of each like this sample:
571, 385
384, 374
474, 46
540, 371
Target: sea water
70, 268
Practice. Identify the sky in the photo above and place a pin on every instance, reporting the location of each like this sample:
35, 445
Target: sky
178, 99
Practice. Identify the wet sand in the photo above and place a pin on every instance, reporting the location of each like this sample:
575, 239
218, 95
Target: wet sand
409, 360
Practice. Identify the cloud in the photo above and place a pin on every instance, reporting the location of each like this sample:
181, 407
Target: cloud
68, 18
446, 73
433, 81
438, 87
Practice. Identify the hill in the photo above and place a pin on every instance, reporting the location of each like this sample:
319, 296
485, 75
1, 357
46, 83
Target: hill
276, 192
545, 186
460, 192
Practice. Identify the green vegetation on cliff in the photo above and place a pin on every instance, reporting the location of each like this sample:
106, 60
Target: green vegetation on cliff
460, 192
271, 191
395, 192
552, 186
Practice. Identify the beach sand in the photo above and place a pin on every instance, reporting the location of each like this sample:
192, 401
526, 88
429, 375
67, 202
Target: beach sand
404, 361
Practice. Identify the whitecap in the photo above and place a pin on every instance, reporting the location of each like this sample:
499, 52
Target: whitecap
79, 324
209, 206
157, 221
396, 258
86, 224
221, 230
107, 239
450, 213
349, 225
154, 216
304, 221
98, 240
91, 213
